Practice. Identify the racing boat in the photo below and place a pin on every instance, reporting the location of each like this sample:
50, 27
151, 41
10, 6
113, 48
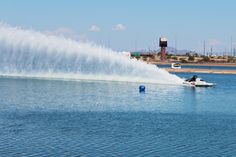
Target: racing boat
197, 82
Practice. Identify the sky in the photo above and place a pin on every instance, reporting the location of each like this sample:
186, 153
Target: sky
129, 25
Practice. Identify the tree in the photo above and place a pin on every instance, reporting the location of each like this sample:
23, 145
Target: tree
191, 58
174, 57
182, 60
206, 59
168, 56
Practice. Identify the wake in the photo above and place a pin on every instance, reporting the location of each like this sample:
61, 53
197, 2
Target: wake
28, 53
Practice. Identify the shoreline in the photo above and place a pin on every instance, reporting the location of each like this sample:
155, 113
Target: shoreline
208, 71
198, 64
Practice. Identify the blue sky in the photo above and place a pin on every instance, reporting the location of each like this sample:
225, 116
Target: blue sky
130, 24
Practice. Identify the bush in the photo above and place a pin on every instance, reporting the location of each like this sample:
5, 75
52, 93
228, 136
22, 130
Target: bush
174, 57
191, 58
206, 59
168, 56
182, 60
137, 57
230, 60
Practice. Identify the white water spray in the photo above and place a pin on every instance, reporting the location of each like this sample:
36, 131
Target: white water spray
29, 53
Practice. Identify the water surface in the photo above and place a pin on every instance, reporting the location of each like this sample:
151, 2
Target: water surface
84, 118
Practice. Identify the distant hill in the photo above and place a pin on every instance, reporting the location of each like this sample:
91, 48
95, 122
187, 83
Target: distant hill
170, 50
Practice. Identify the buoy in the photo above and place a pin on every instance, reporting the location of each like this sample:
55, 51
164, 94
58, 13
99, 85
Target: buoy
141, 89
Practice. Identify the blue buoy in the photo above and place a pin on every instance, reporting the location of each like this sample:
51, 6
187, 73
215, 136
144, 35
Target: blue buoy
141, 89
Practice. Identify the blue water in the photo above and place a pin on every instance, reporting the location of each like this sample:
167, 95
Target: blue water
202, 67
83, 118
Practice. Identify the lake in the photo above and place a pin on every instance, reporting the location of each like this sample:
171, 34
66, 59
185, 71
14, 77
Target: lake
96, 118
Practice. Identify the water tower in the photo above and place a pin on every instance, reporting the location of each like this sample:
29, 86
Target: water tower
163, 45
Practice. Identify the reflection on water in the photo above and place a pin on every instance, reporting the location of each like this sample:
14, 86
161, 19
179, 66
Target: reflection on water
26, 94
34, 95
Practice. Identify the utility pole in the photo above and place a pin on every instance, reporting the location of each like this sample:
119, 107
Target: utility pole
204, 48
211, 51
175, 44
234, 52
231, 44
